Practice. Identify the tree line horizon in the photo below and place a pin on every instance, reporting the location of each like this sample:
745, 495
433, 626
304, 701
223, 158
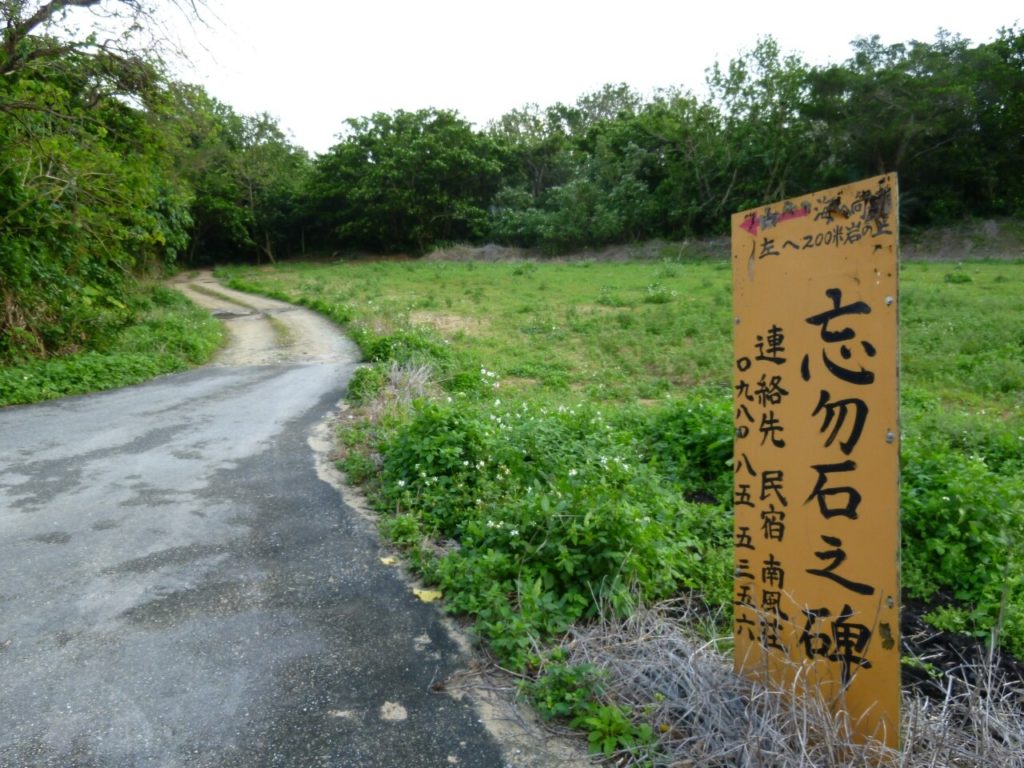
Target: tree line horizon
111, 168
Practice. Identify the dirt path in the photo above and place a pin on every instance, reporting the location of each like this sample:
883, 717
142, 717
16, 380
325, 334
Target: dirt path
264, 331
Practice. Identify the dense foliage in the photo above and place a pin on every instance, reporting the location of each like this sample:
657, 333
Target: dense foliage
617, 167
169, 334
406, 180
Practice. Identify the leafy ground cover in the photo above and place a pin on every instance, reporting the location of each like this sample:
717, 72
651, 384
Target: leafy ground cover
157, 332
551, 442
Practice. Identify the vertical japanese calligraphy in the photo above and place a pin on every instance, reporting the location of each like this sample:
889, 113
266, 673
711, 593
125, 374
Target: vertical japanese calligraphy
816, 488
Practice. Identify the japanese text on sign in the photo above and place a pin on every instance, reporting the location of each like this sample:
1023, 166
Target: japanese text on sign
816, 498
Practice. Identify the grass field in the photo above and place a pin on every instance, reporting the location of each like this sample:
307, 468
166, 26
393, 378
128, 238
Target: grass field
619, 332
551, 441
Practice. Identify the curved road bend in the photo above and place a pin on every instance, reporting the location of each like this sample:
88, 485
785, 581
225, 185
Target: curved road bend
179, 588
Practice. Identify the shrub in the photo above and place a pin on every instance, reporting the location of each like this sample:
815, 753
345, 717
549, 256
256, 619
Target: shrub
366, 384
555, 513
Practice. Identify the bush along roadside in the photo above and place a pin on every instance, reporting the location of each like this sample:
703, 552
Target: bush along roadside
531, 518
963, 523
160, 332
549, 512
553, 515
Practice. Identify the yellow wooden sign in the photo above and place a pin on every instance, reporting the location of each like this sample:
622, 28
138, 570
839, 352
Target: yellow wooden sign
816, 491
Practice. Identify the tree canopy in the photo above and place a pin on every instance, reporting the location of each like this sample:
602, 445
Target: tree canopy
404, 181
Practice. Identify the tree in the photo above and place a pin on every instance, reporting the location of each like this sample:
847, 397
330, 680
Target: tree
997, 74
272, 172
913, 109
775, 150
405, 181
28, 39
534, 149
247, 179
698, 173
204, 136
87, 195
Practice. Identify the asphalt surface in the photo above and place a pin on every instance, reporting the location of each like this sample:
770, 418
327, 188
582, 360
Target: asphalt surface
178, 587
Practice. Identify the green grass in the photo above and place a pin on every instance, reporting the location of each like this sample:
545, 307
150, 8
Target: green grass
543, 326
964, 341
169, 334
618, 332
587, 407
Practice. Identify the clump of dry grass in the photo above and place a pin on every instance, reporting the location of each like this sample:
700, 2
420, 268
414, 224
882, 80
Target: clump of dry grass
405, 383
980, 722
659, 664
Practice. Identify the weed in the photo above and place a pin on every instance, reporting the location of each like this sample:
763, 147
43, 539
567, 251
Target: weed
656, 293
610, 729
667, 269
958, 278
609, 299
564, 690
282, 333
366, 384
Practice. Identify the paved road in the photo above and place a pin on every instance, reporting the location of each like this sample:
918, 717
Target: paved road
179, 588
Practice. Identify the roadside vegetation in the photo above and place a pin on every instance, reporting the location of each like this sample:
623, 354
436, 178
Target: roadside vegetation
159, 331
550, 444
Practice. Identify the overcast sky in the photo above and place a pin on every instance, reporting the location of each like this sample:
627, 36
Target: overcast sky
313, 63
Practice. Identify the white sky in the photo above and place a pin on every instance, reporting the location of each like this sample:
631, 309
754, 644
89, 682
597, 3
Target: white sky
313, 63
